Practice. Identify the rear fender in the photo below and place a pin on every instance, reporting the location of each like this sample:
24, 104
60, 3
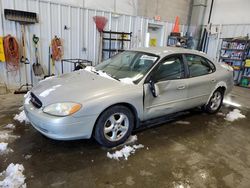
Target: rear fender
219, 84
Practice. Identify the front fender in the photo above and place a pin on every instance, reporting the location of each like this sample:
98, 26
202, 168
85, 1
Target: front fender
131, 95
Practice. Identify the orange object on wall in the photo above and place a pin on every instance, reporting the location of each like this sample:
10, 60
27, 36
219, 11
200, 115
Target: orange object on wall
11, 51
57, 48
176, 28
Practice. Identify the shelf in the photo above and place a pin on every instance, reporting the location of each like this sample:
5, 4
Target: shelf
233, 49
234, 40
237, 69
119, 33
115, 39
231, 59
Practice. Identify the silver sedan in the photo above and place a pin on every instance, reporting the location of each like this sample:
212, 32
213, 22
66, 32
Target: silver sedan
117, 96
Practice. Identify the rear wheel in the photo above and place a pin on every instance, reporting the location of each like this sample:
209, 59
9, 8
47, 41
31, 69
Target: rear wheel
114, 126
215, 102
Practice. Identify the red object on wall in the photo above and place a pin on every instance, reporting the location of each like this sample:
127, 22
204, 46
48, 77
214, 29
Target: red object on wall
100, 22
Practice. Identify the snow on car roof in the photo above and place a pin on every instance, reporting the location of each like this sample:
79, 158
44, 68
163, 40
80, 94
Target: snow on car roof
162, 51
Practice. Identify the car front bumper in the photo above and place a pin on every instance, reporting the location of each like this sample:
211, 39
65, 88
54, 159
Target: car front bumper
60, 128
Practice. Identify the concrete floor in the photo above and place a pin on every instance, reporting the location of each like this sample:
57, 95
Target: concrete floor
208, 152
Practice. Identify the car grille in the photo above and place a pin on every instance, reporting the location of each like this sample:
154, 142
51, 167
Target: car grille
35, 101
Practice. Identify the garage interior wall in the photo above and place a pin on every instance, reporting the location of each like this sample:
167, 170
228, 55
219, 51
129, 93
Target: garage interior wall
128, 7
229, 12
80, 39
168, 10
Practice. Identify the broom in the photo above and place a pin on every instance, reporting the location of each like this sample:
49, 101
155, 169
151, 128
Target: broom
100, 22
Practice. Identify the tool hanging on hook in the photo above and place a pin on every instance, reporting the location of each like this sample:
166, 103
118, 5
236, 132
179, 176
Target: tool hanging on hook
37, 67
24, 18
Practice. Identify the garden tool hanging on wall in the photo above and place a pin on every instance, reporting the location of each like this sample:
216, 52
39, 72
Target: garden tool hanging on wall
37, 67
26, 62
52, 62
24, 18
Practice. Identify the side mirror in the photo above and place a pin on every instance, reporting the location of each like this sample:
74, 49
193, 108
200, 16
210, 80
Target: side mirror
153, 88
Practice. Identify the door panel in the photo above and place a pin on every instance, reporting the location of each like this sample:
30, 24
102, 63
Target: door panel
170, 84
172, 98
201, 79
199, 90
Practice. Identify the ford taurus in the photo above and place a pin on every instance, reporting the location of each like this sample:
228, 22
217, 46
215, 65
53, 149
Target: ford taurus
111, 99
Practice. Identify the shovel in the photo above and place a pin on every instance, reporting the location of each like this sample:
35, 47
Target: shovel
37, 67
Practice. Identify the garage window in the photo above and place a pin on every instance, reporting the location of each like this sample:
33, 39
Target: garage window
199, 66
170, 69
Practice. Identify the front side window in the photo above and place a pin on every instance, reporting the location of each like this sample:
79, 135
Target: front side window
198, 65
169, 69
129, 64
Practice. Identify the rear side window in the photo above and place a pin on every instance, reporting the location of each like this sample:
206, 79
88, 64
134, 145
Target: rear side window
169, 69
198, 65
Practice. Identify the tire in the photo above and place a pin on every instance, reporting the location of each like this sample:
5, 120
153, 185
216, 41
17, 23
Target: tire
114, 126
215, 102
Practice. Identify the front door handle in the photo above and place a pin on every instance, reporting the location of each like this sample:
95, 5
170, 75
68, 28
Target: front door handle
181, 87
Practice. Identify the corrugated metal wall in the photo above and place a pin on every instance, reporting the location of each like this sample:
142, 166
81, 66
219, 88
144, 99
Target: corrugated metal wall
225, 31
80, 39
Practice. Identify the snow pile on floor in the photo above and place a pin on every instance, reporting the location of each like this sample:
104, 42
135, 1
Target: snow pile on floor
131, 139
4, 148
13, 177
234, 115
220, 114
183, 122
10, 126
48, 91
126, 80
125, 152
27, 98
4, 135
27, 157
21, 117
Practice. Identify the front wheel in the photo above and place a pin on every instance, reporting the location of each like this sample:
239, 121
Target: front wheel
215, 102
114, 126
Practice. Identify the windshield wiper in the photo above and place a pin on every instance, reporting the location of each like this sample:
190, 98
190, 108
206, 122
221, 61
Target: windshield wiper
113, 77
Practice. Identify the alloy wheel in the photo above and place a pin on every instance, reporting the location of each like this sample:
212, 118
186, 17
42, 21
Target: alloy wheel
116, 127
215, 100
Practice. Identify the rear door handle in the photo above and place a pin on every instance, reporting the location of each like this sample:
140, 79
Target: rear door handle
213, 80
181, 87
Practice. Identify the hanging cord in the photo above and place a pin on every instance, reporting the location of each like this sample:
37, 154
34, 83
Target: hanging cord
11, 51
57, 48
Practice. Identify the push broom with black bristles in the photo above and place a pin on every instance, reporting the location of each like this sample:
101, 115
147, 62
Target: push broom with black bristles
24, 18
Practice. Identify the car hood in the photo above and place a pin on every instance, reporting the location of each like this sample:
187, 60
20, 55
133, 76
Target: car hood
77, 86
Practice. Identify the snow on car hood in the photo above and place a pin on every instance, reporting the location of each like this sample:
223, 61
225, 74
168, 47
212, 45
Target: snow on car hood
77, 86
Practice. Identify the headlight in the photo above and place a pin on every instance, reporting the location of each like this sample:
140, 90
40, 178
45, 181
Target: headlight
62, 109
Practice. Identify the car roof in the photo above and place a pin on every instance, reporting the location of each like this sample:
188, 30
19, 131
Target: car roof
163, 51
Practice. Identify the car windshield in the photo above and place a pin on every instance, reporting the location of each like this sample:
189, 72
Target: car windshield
128, 65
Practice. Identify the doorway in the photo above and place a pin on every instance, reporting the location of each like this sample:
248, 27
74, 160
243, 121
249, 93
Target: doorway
154, 35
